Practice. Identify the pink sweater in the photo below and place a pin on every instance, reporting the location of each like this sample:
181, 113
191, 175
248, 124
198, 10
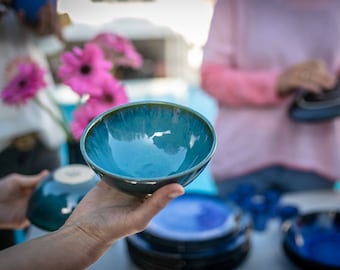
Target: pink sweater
250, 43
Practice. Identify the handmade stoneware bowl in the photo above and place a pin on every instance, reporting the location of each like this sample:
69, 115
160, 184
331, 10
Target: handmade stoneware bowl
58, 194
141, 146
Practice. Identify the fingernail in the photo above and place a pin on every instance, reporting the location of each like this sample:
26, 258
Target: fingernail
175, 195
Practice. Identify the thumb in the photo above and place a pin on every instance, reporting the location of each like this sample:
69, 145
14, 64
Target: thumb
158, 201
32, 180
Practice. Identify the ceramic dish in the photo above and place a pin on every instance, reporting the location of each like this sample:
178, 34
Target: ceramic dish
58, 194
310, 107
194, 221
141, 146
312, 241
224, 256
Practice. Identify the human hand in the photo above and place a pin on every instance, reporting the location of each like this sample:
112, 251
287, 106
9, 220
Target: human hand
311, 75
106, 214
15, 192
48, 22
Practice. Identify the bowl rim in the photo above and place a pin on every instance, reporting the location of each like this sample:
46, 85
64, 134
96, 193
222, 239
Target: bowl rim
150, 180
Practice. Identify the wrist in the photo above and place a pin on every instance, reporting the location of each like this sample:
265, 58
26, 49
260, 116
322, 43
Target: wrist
87, 247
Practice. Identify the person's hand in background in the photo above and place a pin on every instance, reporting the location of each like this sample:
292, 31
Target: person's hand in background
311, 76
15, 192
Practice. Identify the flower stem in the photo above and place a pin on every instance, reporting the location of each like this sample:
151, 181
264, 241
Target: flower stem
53, 100
62, 124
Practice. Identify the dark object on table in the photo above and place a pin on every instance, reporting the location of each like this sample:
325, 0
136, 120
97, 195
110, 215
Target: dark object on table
195, 231
311, 107
312, 241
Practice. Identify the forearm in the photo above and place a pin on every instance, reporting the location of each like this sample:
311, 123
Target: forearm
236, 87
68, 248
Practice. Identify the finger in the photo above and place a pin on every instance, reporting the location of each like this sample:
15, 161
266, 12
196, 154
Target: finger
32, 181
157, 202
23, 224
325, 80
309, 86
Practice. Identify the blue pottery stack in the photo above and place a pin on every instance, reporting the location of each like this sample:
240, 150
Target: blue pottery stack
195, 231
262, 206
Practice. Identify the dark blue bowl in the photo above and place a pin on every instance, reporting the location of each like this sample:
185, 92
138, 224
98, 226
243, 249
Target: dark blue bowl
312, 241
141, 146
58, 194
316, 107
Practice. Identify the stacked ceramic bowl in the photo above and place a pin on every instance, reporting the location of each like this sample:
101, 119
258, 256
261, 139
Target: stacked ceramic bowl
312, 240
195, 231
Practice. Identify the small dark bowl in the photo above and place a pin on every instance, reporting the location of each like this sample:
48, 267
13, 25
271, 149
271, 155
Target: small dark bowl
55, 198
141, 146
312, 108
312, 241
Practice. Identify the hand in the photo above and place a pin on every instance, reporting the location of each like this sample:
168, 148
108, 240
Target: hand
48, 22
106, 214
311, 76
15, 192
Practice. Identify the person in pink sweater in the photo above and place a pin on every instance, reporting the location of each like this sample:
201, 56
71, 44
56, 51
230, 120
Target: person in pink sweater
256, 54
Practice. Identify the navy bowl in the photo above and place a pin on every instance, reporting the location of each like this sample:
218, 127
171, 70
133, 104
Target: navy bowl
141, 146
316, 107
312, 241
54, 199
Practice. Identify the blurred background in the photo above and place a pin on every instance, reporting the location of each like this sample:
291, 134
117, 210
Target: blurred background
168, 36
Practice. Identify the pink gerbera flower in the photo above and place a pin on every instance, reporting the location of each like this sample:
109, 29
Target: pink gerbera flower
29, 79
83, 69
119, 50
113, 94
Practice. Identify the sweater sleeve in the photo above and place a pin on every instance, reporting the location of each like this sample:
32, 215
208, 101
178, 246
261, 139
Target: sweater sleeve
220, 76
236, 88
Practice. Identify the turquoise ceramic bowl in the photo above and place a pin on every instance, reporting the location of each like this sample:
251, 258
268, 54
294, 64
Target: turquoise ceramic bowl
141, 146
58, 194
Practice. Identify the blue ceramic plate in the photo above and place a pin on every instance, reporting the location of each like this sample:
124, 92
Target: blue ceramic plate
194, 220
58, 194
312, 241
227, 255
